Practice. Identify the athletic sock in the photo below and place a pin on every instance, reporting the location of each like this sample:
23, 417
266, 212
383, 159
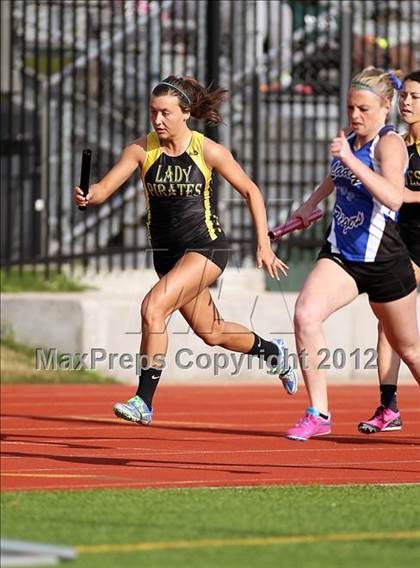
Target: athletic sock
389, 397
314, 412
265, 348
148, 382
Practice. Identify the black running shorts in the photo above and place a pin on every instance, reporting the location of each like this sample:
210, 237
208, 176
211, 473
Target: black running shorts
410, 234
383, 281
216, 251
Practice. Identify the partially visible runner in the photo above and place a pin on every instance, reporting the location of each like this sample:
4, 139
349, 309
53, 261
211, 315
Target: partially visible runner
363, 251
387, 416
190, 250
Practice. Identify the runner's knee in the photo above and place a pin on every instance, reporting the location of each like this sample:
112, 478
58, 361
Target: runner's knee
307, 316
152, 311
410, 354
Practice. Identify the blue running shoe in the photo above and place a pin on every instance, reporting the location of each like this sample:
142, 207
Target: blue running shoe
287, 375
134, 410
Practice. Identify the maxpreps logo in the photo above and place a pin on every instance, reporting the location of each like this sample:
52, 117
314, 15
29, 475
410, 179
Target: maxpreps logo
348, 223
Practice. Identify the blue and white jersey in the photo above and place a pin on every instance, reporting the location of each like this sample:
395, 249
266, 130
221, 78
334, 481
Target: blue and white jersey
362, 228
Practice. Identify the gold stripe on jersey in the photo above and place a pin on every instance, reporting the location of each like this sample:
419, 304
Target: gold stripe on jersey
417, 142
196, 153
153, 151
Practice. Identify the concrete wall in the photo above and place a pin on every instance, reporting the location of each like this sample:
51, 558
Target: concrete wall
107, 321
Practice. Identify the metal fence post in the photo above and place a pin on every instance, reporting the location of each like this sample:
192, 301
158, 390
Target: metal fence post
345, 58
213, 54
6, 32
255, 128
213, 73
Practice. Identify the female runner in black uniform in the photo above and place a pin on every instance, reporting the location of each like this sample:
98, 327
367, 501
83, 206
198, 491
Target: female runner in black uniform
387, 416
190, 250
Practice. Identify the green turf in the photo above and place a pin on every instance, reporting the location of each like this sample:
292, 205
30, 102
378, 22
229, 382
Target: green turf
139, 516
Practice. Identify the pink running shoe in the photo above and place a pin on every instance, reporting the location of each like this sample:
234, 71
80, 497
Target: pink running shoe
384, 420
312, 424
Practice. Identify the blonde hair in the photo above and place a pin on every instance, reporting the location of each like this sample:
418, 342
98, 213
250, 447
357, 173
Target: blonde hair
382, 83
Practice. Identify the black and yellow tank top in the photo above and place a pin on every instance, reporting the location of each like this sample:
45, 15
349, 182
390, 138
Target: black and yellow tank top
409, 213
179, 196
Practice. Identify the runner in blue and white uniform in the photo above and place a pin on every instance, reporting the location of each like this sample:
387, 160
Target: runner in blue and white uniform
387, 417
362, 228
363, 251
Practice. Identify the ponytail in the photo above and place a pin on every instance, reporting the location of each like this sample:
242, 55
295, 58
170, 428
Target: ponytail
193, 97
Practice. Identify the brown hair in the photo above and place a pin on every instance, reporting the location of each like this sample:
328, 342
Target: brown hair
413, 76
378, 81
200, 101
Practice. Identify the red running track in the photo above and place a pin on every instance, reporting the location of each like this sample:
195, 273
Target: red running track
66, 437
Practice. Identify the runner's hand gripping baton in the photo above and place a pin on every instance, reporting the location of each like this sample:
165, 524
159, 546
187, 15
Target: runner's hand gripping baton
293, 225
85, 174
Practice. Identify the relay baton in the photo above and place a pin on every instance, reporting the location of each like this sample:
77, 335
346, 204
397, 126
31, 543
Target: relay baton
293, 225
85, 174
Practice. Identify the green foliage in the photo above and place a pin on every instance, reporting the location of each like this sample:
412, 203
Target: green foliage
18, 365
45, 65
28, 280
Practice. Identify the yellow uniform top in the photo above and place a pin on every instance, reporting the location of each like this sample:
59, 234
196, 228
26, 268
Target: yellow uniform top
179, 196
